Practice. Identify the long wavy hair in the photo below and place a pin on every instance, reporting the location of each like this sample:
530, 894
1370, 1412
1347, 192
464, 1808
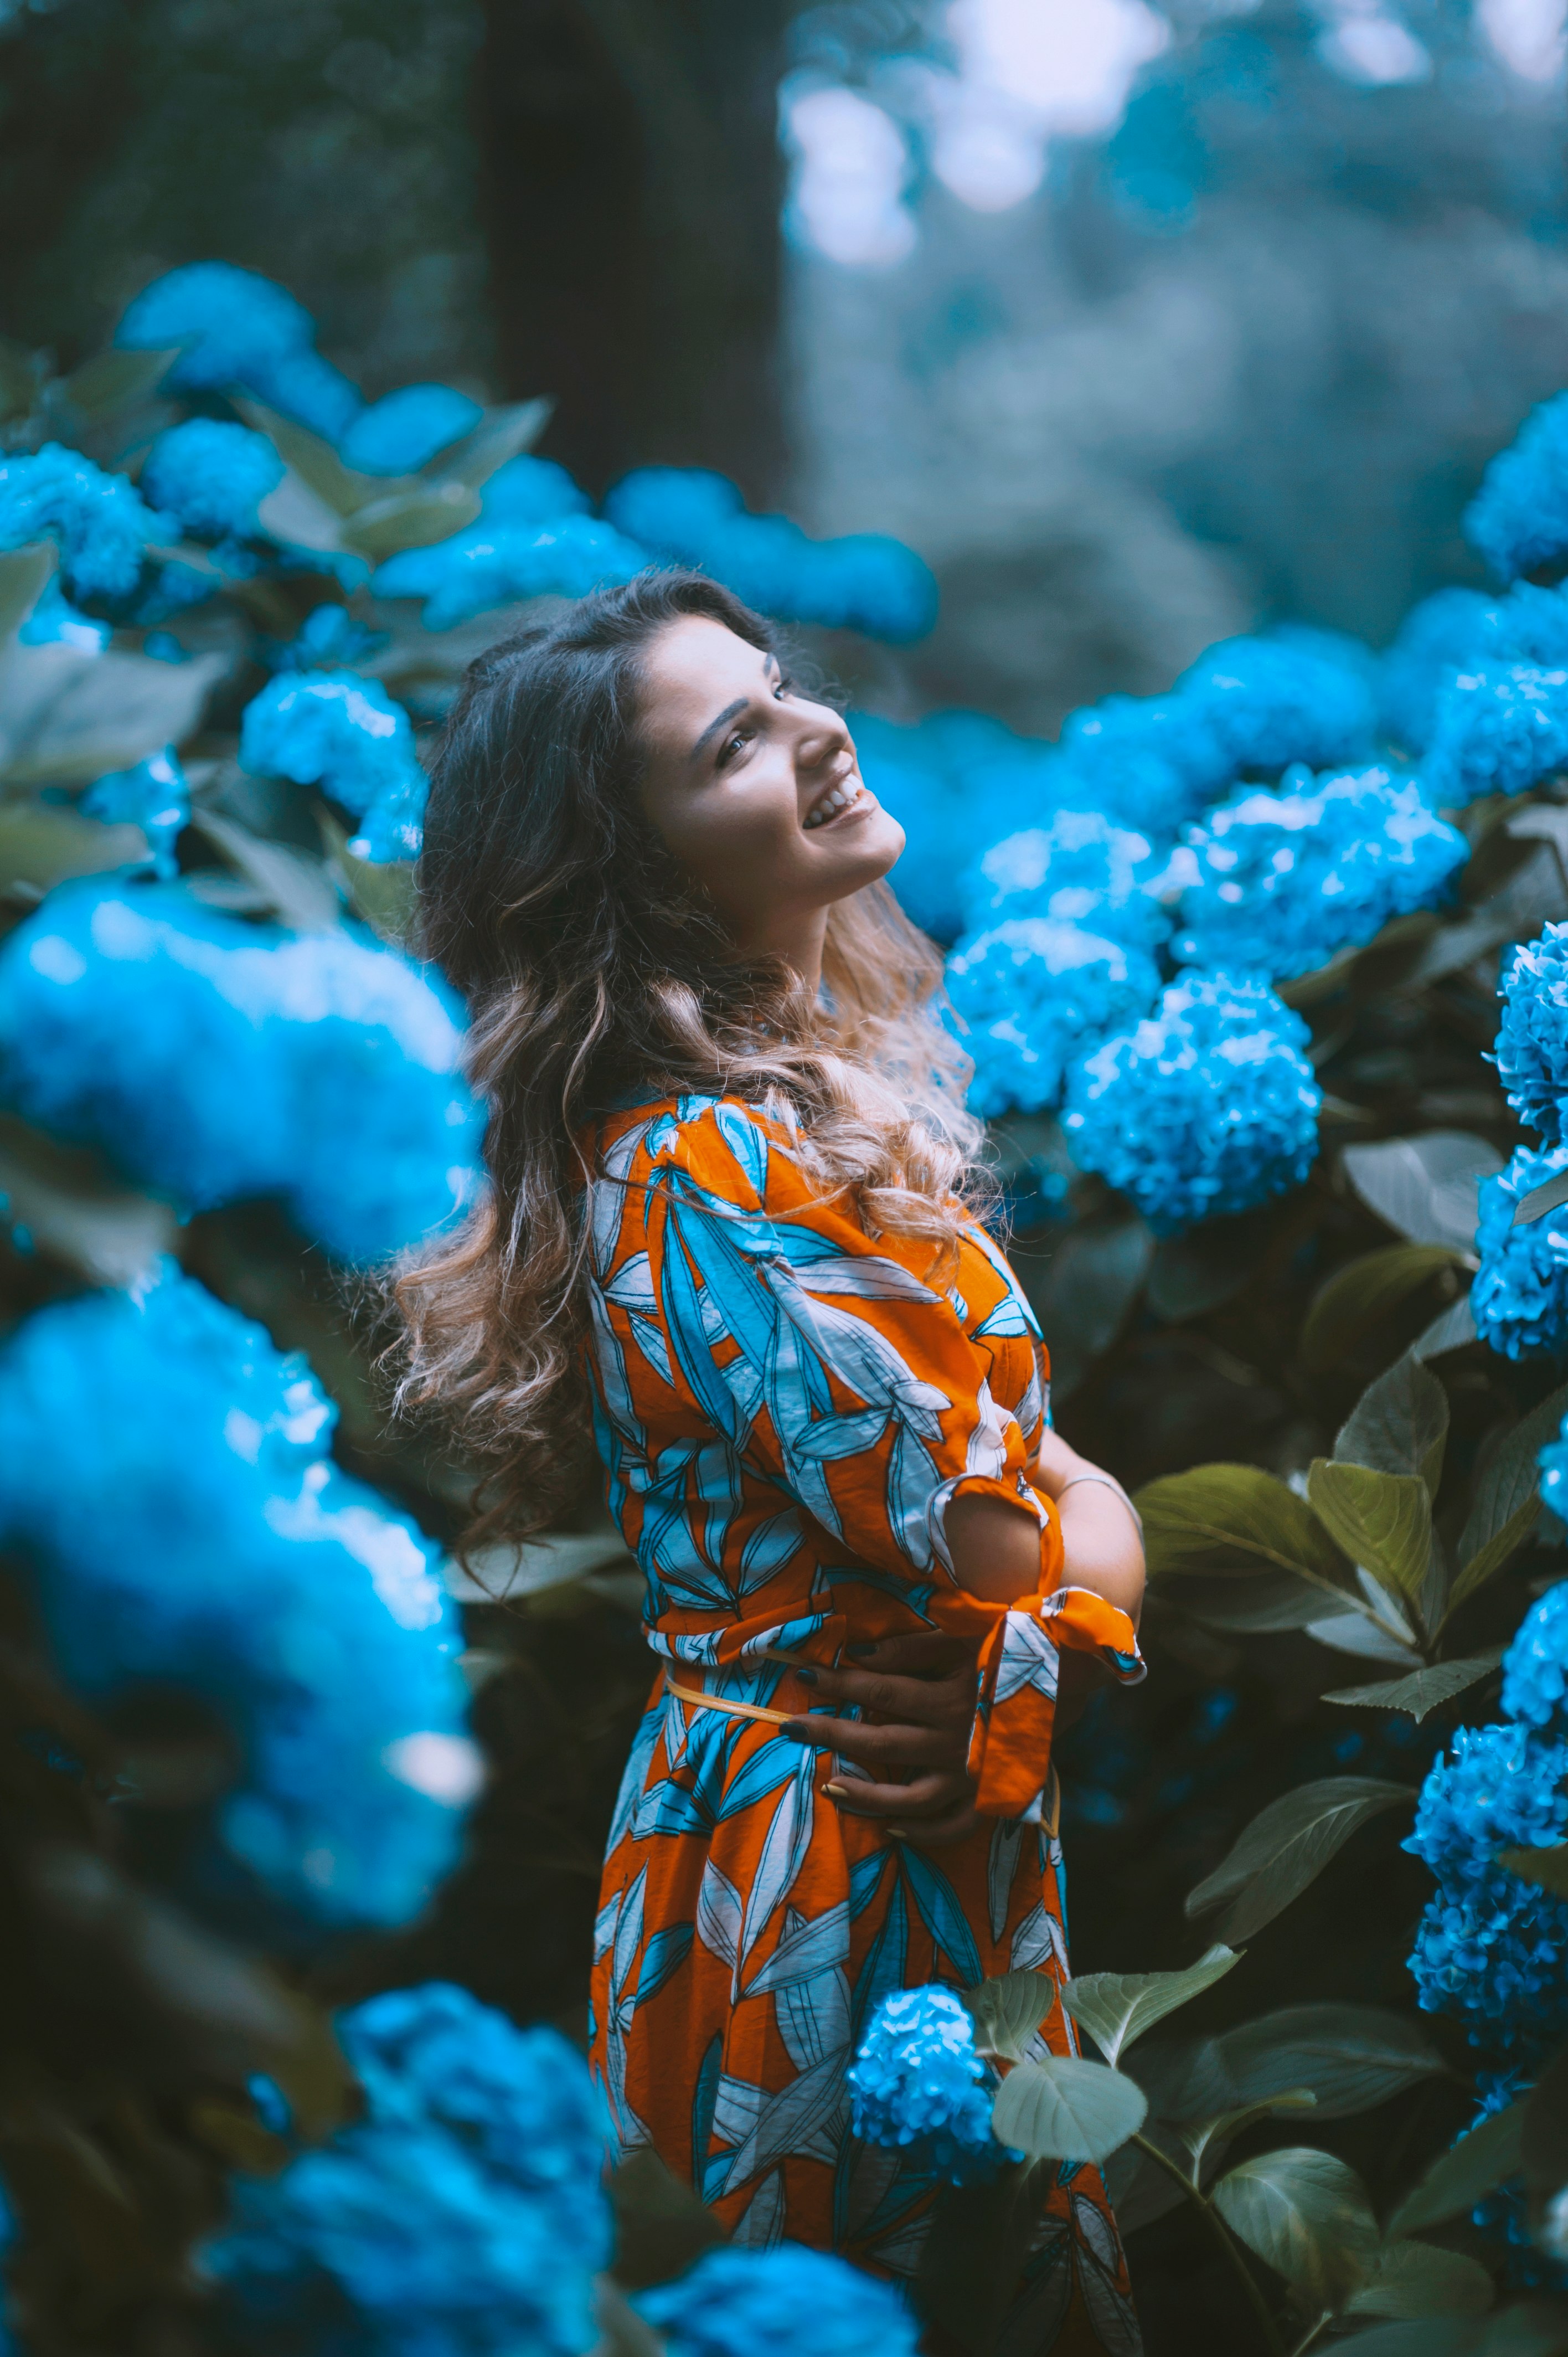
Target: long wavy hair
596, 969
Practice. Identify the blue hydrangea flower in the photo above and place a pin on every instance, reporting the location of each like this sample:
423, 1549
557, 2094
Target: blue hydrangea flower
1497, 1788
240, 329
528, 492
1435, 639
1207, 1107
1532, 1040
1528, 625
328, 639
1554, 1462
1271, 702
780, 2303
102, 524
336, 730
1032, 994
955, 781
491, 564
863, 582
916, 2081
1519, 518
1283, 882
1078, 870
1149, 762
154, 796
404, 430
1498, 729
215, 1061
211, 476
1535, 1667
247, 1571
54, 621
1518, 1297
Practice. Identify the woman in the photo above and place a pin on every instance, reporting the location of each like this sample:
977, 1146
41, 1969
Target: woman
730, 1161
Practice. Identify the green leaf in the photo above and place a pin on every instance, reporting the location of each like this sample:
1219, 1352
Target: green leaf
411, 518
1008, 2011
1423, 1690
1412, 2279
296, 513
76, 1213
1064, 2109
1541, 1200
1451, 1330
66, 716
25, 573
1254, 1604
20, 377
500, 434
1307, 2216
1547, 1868
1399, 1425
1507, 1502
622, 2331
1196, 1270
1374, 1641
297, 890
1352, 2057
661, 2226
316, 463
114, 380
1117, 2007
1382, 1520
1287, 1845
1357, 1296
1544, 2144
1425, 1186
44, 843
1482, 2159
1200, 1520
1202, 2137
381, 891
1083, 1290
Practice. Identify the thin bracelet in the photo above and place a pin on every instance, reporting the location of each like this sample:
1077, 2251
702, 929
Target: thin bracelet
1108, 1481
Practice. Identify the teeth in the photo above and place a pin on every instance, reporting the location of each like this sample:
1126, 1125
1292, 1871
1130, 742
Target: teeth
831, 804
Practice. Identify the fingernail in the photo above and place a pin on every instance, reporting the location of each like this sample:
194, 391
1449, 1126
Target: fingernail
859, 1652
839, 1791
894, 1834
806, 1677
794, 1730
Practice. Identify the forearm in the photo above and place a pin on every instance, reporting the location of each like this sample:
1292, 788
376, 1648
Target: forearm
1101, 1538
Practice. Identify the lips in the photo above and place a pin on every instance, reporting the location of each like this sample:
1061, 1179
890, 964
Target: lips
833, 804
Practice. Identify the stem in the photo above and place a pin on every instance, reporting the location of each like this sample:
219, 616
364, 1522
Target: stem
1313, 2333
1227, 2242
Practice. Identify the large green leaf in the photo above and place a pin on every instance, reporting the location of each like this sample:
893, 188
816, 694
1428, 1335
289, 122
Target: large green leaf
76, 1213
1357, 1296
413, 518
1352, 2057
1196, 1270
1065, 2109
1008, 2011
1117, 2007
502, 434
1425, 1186
295, 512
1544, 2143
295, 888
1215, 1516
1423, 1690
342, 488
661, 2226
114, 379
44, 843
1083, 1290
1307, 2215
1254, 1604
1206, 2139
1382, 1520
66, 717
1485, 2158
1519, 2331
1399, 1425
378, 890
1286, 1847
1547, 1868
25, 573
1507, 1501
1415, 2279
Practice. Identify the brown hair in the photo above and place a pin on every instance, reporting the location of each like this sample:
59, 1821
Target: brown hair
596, 973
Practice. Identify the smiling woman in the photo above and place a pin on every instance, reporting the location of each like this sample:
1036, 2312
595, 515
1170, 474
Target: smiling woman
731, 1232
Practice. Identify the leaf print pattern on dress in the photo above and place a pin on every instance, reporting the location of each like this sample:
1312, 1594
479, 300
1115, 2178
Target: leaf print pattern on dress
785, 1406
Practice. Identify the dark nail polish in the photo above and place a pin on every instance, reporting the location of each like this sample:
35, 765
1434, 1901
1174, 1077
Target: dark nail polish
794, 1730
806, 1677
859, 1652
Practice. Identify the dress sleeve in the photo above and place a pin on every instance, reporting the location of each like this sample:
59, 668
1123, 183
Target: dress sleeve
834, 1361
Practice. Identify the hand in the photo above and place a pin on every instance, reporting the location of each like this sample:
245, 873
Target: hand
922, 1689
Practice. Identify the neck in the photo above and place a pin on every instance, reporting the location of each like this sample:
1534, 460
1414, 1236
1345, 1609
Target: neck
799, 940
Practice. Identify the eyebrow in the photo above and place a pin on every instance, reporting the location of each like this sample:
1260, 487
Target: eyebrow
730, 712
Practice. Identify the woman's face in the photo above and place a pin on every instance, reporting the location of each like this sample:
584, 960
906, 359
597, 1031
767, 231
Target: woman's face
755, 789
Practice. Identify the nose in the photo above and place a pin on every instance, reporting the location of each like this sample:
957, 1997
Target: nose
822, 738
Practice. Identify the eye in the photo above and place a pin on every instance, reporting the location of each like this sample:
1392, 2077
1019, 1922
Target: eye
782, 686
735, 744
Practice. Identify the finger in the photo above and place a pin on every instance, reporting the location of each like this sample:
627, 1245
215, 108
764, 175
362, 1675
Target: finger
887, 1747
921, 1653
918, 1702
934, 1795
938, 1833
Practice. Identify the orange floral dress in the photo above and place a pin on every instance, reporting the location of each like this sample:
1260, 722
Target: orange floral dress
784, 1407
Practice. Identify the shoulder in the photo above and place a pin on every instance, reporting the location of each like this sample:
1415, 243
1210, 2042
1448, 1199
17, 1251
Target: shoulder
729, 1148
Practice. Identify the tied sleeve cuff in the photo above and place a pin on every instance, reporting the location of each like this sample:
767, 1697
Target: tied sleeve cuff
1010, 1742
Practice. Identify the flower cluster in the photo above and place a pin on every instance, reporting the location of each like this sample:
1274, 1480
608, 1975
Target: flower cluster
1519, 518
1268, 701
1535, 1667
1519, 1297
1208, 1107
154, 796
328, 638
238, 329
780, 2303
1282, 882
461, 2217
404, 430
917, 2081
343, 732
102, 525
211, 476
1078, 870
864, 581
1032, 994
1434, 639
249, 1571
1490, 1947
215, 1061
1498, 729
493, 562
1532, 1038
954, 781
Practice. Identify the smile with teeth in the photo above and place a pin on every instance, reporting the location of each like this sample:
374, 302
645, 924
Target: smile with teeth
837, 798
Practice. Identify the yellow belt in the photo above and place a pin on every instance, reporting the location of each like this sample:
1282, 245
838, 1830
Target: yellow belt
700, 1701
